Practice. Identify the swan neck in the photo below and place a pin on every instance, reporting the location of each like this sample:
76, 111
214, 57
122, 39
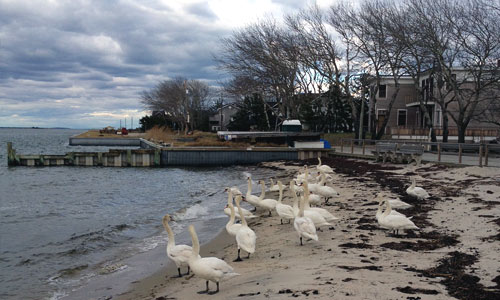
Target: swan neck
263, 193
413, 183
319, 160
249, 189
388, 208
230, 197
232, 216
194, 239
281, 193
242, 216
301, 207
323, 178
171, 238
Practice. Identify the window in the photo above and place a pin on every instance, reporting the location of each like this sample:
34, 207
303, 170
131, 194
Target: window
401, 117
382, 91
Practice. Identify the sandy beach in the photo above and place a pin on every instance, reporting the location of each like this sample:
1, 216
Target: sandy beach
453, 255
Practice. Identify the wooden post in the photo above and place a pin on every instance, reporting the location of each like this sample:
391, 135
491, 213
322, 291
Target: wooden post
486, 155
459, 153
352, 146
10, 154
363, 147
129, 157
439, 151
157, 158
481, 155
99, 158
342, 145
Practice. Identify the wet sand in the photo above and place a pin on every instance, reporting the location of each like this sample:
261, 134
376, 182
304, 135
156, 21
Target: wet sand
453, 255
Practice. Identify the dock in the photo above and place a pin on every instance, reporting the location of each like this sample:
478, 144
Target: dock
152, 155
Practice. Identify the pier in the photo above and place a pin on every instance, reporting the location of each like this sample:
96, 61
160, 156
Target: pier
152, 155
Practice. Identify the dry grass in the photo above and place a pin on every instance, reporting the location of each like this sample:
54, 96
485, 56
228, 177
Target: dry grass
196, 139
179, 139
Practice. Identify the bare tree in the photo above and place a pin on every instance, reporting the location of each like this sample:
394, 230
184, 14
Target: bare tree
477, 35
182, 100
403, 27
262, 58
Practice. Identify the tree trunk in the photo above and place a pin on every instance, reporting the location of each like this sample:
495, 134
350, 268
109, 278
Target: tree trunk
446, 130
461, 133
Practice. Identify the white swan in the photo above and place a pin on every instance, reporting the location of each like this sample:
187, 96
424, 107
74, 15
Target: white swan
304, 226
245, 237
234, 190
248, 214
283, 210
252, 199
178, 253
267, 204
394, 222
273, 187
232, 228
323, 212
416, 191
325, 191
301, 177
208, 268
324, 168
395, 203
315, 216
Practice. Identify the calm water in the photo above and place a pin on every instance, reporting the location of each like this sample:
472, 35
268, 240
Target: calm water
64, 228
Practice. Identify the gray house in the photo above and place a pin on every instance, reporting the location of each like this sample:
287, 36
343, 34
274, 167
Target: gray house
220, 119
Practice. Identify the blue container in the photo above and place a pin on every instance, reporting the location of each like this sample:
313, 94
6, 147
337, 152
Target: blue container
326, 144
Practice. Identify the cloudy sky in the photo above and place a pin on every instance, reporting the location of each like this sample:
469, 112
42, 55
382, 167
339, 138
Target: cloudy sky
83, 63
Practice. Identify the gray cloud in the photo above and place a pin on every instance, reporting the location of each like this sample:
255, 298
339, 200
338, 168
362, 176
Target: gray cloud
84, 63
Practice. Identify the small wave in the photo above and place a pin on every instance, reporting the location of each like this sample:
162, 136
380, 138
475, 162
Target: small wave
4, 208
112, 268
151, 243
71, 272
58, 295
191, 212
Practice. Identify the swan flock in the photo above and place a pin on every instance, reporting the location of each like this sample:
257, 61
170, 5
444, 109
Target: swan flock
299, 215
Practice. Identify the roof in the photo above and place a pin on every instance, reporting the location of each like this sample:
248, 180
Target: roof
291, 122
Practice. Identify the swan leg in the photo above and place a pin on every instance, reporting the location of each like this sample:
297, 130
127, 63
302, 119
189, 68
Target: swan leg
179, 270
238, 258
205, 291
281, 221
301, 241
270, 213
188, 271
216, 291
248, 256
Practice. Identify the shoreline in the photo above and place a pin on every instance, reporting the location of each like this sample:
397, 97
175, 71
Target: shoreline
354, 258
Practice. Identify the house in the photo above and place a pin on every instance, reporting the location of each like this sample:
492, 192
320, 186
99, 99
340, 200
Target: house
406, 119
222, 117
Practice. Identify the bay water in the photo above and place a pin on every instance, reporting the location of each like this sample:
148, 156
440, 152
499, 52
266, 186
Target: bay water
87, 232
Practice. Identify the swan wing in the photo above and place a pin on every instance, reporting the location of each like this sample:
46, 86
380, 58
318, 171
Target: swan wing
268, 203
246, 239
285, 211
219, 267
180, 253
398, 222
305, 227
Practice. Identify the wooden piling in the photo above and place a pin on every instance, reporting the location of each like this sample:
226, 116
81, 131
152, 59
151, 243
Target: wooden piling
481, 155
363, 147
439, 151
352, 146
342, 145
459, 153
486, 151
